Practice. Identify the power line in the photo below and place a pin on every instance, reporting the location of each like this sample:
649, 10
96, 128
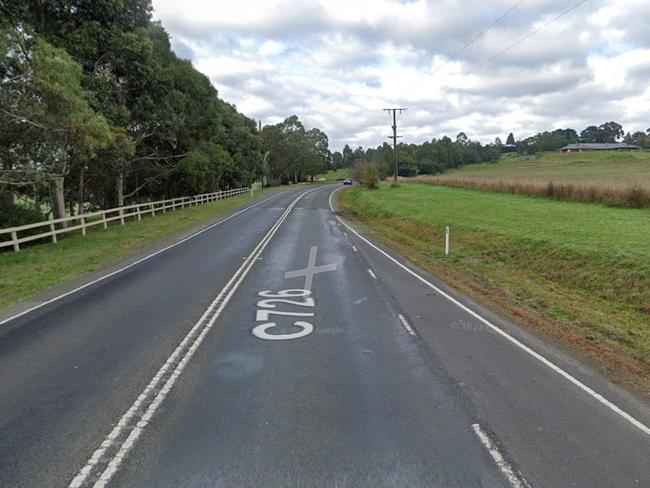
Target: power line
393, 112
476, 37
526, 37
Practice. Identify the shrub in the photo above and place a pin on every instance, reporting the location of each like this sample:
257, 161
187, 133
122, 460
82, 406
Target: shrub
370, 176
12, 215
637, 197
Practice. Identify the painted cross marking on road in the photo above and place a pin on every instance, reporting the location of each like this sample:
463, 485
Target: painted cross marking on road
311, 269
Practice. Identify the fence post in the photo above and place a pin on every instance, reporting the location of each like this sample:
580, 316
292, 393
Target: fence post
122, 216
53, 229
153, 209
446, 241
137, 210
14, 237
83, 225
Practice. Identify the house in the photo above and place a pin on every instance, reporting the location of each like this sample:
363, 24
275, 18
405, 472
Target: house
588, 146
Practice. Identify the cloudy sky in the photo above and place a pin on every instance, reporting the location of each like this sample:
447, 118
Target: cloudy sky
337, 63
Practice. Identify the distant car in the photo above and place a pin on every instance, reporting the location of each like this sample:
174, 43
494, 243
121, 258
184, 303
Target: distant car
347, 181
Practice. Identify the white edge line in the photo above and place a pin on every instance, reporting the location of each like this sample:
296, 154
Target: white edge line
124, 268
406, 325
597, 396
372, 273
497, 457
113, 465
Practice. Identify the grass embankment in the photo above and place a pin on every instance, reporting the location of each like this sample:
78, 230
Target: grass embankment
339, 174
574, 272
35, 269
612, 178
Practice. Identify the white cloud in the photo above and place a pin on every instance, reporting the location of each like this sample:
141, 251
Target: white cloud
337, 63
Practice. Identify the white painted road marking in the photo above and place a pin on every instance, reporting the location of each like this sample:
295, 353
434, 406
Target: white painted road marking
270, 302
260, 331
265, 314
354, 248
597, 396
124, 268
406, 325
132, 423
311, 269
372, 273
306, 328
505, 468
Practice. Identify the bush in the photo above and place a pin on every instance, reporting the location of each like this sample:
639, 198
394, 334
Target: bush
370, 175
12, 215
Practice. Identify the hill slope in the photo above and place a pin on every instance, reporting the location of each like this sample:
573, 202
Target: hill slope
612, 178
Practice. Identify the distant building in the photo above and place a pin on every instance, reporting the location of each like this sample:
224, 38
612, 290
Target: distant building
588, 146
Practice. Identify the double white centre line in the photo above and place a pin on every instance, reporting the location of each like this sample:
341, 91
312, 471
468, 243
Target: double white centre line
108, 457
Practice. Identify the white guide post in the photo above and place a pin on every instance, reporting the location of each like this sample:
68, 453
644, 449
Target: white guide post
446, 241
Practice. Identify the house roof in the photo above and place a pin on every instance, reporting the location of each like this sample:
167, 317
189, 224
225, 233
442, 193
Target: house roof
601, 146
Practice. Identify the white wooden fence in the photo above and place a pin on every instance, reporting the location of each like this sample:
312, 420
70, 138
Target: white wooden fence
103, 217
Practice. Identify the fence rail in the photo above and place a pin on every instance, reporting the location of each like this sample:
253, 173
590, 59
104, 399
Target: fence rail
104, 217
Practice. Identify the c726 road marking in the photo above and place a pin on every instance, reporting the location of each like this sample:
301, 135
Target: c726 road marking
283, 296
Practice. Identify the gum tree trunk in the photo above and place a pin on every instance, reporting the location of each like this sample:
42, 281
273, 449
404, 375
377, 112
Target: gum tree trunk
58, 200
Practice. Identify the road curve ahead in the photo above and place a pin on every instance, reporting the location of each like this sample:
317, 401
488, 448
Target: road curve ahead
282, 348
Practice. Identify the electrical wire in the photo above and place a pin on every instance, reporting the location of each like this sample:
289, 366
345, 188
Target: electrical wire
526, 37
475, 38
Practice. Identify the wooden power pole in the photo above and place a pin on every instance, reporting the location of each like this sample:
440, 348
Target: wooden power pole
393, 112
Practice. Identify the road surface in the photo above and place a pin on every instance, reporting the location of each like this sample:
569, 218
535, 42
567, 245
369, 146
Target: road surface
282, 348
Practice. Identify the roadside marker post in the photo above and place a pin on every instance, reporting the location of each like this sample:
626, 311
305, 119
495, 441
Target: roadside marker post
446, 241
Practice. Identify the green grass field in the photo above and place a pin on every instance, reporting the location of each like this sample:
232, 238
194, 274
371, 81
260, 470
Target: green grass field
575, 272
598, 168
339, 174
34, 269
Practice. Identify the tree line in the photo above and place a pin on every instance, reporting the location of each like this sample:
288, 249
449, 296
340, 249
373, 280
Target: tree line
439, 155
97, 111
608, 132
430, 157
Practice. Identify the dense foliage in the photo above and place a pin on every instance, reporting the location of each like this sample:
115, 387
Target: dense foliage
439, 155
97, 109
609, 132
294, 153
430, 157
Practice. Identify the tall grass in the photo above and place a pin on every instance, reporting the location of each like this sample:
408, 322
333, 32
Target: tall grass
615, 195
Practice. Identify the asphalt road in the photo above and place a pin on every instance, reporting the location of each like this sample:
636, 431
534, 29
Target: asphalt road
281, 348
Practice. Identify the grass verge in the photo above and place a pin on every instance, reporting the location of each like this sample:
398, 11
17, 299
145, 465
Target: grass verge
36, 268
575, 273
